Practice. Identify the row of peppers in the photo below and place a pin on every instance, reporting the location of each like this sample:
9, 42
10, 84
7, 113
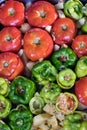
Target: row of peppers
51, 78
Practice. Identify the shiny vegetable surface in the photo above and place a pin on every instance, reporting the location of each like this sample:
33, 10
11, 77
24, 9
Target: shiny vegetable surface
4, 86
10, 39
38, 14
21, 90
20, 119
12, 13
44, 72
37, 40
64, 58
5, 106
50, 92
73, 9
63, 31
11, 65
66, 78
36, 104
81, 89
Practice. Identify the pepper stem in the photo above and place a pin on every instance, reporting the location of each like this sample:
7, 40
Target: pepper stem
42, 14
19, 122
63, 58
37, 41
11, 11
8, 38
82, 44
5, 64
64, 27
20, 90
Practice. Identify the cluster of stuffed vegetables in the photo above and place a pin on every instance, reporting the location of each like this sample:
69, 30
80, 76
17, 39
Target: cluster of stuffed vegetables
14, 100
52, 79
75, 121
55, 77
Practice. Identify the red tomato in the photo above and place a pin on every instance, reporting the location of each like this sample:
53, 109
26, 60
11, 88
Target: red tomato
41, 14
10, 39
81, 90
79, 45
37, 44
12, 13
63, 31
10, 65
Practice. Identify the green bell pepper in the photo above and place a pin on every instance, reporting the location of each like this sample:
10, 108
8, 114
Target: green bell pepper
50, 92
4, 86
66, 103
36, 104
5, 106
44, 72
81, 67
21, 90
4, 126
73, 9
66, 78
77, 120
64, 58
20, 118
70, 119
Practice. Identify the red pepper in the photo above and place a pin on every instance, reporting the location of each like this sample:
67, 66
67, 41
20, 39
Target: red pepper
12, 13
10, 65
10, 39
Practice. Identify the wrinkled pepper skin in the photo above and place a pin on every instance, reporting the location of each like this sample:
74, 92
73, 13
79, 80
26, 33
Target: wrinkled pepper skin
5, 107
4, 86
66, 78
64, 58
73, 9
70, 119
77, 120
36, 104
21, 90
4, 126
50, 92
81, 67
20, 119
44, 72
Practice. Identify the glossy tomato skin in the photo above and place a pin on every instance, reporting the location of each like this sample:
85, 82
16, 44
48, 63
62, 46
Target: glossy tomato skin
10, 39
37, 44
81, 90
10, 65
12, 13
39, 14
79, 45
63, 31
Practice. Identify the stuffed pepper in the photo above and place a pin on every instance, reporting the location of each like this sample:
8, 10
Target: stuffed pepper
44, 72
73, 9
63, 58
66, 103
20, 118
21, 90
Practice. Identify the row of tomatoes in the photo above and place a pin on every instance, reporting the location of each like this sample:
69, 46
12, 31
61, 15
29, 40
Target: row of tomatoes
36, 42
